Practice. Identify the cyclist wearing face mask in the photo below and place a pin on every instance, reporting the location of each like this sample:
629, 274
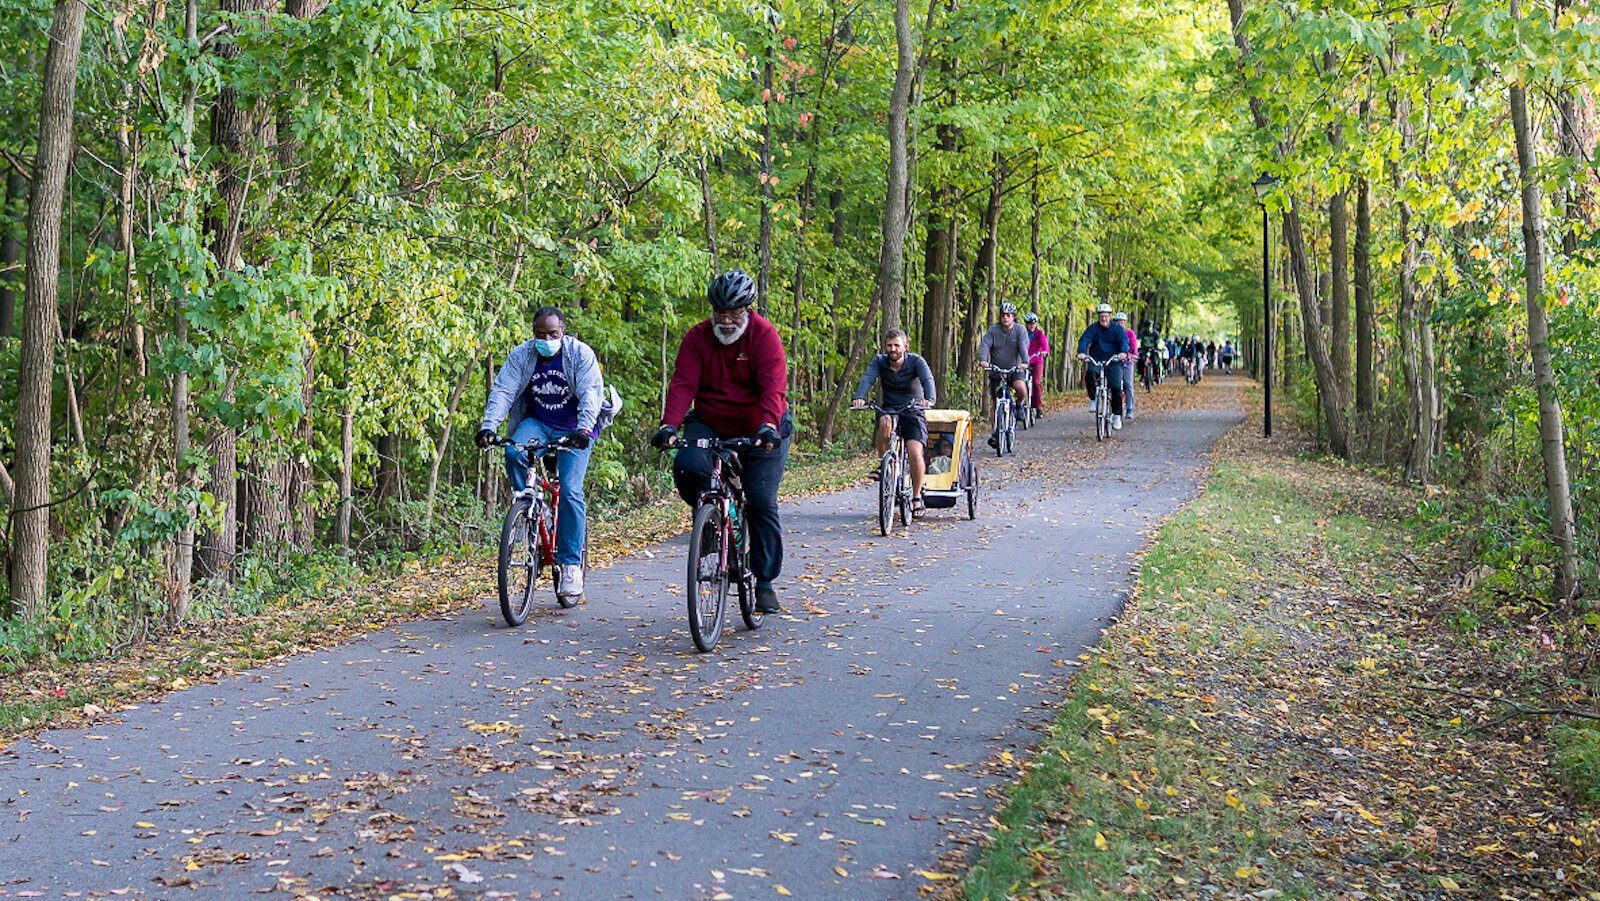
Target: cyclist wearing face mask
731, 380
552, 388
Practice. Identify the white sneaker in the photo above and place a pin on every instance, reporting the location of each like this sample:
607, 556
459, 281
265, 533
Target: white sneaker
571, 580
1116, 422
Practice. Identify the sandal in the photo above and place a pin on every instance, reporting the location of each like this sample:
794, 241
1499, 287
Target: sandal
918, 507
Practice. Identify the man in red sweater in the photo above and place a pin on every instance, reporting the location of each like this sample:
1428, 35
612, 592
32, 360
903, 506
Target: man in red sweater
731, 380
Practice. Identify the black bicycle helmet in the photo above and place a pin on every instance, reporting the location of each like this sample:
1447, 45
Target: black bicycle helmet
732, 290
1008, 308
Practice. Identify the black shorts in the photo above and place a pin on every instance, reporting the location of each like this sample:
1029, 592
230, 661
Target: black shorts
911, 426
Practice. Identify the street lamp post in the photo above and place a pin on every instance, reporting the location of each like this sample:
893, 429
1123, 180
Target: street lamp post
1264, 186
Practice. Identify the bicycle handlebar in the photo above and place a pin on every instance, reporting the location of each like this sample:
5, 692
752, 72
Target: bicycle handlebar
913, 407
714, 444
1014, 370
533, 446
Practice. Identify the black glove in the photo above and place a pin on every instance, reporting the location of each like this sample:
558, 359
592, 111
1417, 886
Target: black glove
578, 440
485, 437
662, 439
767, 436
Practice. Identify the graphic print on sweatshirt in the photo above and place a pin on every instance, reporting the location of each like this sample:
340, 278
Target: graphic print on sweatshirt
550, 398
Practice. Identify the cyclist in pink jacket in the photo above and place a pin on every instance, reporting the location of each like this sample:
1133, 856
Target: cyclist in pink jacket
1127, 371
1038, 349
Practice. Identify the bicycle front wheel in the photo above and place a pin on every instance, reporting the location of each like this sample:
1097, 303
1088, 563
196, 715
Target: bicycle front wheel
708, 578
903, 496
519, 563
888, 484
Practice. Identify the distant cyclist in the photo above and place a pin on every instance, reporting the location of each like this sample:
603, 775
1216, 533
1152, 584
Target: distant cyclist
1005, 346
551, 388
1106, 340
904, 380
1038, 349
731, 368
1150, 348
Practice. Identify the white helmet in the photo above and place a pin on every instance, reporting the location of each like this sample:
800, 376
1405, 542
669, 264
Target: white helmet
1103, 308
1121, 317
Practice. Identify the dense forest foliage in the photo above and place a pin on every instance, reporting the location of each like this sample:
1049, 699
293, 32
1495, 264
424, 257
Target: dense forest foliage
261, 258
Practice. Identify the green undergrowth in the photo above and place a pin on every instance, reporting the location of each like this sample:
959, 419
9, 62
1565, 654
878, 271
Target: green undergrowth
1146, 785
321, 601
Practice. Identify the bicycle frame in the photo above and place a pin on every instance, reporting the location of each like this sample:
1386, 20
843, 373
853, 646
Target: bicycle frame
544, 477
902, 466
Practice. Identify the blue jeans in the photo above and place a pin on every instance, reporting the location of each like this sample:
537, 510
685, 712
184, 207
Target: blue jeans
1127, 387
573, 512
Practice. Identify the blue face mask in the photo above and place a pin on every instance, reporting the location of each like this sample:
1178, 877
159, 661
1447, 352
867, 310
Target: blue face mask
547, 347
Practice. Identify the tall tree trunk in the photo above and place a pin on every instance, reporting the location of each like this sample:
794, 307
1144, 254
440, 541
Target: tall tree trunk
1558, 492
1366, 322
1305, 286
972, 318
1037, 269
891, 257
347, 456
233, 130
764, 242
391, 472
180, 555
30, 514
936, 312
10, 252
989, 250
1339, 272
708, 209
1411, 317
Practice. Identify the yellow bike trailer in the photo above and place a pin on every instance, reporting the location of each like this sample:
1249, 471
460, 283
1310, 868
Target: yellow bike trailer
952, 470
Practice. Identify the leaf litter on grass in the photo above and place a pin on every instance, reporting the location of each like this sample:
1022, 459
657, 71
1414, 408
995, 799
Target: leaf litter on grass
1267, 720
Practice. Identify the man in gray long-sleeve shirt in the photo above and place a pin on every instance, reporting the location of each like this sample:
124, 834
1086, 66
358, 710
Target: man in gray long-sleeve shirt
906, 385
1005, 346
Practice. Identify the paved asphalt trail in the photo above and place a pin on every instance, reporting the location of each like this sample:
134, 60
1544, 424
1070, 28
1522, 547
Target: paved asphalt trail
592, 754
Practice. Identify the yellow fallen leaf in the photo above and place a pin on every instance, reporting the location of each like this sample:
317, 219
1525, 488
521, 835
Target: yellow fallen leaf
782, 891
1369, 816
1100, 840
843, 873
929, 874
143, 825
1445, 882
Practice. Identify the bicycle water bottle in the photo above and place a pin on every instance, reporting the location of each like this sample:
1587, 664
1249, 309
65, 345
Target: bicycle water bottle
737, 522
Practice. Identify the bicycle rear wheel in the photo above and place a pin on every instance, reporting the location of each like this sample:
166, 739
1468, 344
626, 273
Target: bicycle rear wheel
888, 485
746, 582
519, 563
708, 578
969, 472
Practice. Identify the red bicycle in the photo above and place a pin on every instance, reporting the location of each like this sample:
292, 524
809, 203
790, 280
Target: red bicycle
528, 537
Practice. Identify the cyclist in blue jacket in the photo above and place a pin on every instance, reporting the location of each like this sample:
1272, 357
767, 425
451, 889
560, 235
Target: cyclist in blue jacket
1106, 340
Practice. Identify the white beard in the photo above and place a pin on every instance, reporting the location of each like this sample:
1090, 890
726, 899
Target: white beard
727, 338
